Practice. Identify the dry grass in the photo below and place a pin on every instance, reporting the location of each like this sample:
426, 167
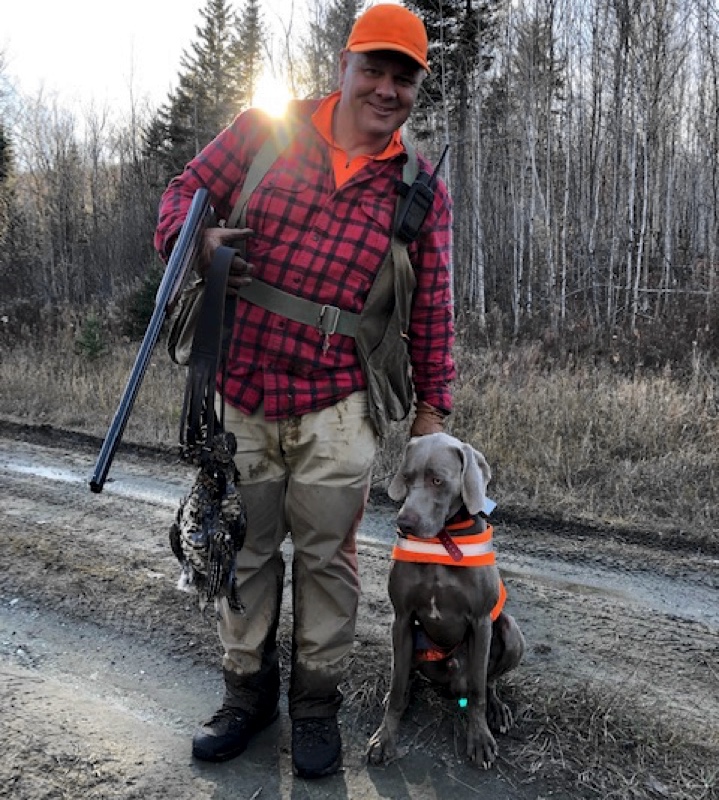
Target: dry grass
49, 381
581, 441
605, 747
579, 739
588, 442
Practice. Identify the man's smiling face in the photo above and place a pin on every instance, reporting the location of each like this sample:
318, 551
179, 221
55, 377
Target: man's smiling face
379, 90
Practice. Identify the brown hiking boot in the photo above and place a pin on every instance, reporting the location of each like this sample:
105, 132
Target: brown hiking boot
228, 733
316, 747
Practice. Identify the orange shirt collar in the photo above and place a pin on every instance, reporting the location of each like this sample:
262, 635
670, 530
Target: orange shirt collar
343, 168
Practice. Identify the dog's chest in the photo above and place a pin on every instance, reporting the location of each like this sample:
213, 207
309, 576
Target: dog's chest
445, 600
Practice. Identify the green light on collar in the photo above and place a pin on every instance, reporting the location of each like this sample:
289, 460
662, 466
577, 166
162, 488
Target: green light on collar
462, 702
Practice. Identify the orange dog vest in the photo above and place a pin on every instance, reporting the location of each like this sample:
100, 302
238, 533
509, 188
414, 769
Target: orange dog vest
470, 549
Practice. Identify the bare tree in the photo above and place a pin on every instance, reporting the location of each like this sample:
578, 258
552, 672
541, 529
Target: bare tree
584, 167
330, 25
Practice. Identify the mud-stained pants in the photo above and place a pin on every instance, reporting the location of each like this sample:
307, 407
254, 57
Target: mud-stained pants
308, 475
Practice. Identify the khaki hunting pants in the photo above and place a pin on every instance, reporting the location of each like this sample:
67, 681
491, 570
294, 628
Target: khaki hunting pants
308, 476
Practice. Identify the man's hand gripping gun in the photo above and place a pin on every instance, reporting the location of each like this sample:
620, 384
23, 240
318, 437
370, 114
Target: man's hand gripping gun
184, 255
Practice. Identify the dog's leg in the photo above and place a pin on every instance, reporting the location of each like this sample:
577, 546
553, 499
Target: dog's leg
505, 654
382, 747
499, 714
481, 747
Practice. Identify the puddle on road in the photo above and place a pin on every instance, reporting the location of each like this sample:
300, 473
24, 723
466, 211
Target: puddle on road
122, 483
51, 473
158, 493
672, 596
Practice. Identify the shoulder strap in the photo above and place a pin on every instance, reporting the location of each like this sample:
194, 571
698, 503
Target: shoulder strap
197, 420
410, 169
404, 277
279, 138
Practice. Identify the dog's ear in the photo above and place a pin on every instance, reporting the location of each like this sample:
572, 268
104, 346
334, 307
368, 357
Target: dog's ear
397, 489
475, 477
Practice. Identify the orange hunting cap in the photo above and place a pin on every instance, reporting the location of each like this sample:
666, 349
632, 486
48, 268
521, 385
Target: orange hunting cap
390, 27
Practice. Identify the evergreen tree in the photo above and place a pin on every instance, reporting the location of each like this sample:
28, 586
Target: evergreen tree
248, 53
200, 105
461, 35
212, 86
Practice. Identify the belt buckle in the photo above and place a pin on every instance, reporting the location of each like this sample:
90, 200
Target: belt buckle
328, 319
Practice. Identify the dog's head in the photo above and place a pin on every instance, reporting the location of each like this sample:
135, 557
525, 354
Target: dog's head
438, 474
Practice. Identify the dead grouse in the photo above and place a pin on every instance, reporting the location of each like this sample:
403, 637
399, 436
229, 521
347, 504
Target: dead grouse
210, 526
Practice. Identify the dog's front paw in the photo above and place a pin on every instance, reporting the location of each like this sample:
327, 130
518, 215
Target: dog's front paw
382, 747
481, 747
499, 715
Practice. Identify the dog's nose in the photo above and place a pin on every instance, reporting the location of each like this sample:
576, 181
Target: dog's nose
407, 522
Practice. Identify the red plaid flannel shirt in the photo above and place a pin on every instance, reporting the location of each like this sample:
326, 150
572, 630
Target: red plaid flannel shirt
323, 243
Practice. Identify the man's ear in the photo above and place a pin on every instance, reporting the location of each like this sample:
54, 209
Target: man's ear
345, 57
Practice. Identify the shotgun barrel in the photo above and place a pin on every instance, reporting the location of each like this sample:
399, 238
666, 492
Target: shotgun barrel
183, 256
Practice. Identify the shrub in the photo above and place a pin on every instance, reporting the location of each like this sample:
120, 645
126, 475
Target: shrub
91, 341
137, 307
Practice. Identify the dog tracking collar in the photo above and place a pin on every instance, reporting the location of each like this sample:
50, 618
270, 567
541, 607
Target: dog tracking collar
427, 650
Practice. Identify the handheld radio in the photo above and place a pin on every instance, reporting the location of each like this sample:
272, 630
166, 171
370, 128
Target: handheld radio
417, 201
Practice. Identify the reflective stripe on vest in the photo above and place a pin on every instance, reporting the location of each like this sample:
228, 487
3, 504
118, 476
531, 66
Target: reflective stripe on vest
477, 550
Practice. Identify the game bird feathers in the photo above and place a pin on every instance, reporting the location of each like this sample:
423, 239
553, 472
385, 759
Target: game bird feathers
210, 526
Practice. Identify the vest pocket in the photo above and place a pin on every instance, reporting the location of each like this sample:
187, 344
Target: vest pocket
387, 371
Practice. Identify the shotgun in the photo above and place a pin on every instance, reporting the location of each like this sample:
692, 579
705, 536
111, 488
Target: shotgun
182, 258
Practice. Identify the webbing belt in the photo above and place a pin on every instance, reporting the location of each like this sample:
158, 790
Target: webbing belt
326, 318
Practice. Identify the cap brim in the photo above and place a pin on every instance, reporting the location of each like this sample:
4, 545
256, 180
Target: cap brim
369, 47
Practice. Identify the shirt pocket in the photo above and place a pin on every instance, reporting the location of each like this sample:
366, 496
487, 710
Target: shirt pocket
279, 210
283, 181
377, 221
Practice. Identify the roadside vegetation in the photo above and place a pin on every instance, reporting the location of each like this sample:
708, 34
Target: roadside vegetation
587, 440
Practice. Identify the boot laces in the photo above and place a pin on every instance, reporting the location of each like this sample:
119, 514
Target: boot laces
226, 713
314, 731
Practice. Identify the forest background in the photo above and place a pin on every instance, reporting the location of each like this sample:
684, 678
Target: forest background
584, 167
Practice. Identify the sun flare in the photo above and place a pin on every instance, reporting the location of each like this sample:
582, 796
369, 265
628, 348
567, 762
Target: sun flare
271, 95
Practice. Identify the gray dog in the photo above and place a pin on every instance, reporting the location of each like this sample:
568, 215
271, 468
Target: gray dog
447, 594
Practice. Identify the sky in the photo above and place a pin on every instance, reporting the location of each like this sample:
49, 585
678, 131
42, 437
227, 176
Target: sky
90, 52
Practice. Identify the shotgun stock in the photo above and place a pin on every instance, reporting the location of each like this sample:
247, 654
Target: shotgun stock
183, 256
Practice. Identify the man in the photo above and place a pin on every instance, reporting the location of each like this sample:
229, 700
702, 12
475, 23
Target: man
318, 227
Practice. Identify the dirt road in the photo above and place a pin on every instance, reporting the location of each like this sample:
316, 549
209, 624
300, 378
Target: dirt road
105, 668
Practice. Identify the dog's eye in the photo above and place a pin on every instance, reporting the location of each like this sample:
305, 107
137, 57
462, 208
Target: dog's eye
437, 481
